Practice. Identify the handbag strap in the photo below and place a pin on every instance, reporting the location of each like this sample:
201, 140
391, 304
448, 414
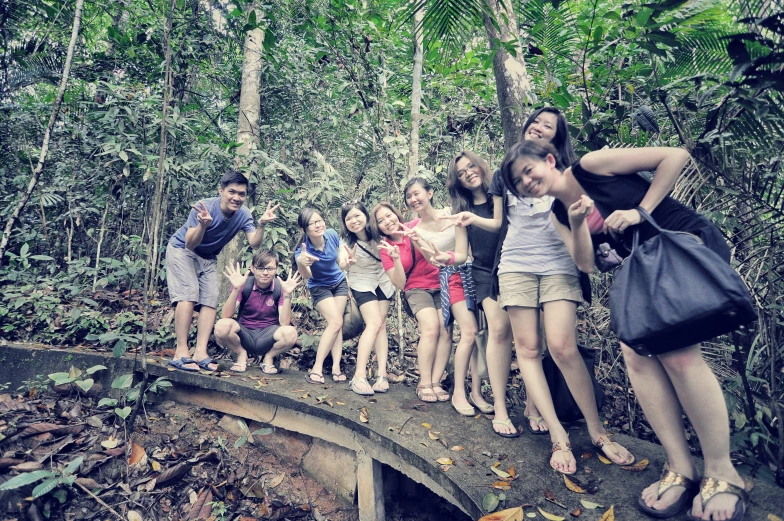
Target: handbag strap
366, 251
646, 216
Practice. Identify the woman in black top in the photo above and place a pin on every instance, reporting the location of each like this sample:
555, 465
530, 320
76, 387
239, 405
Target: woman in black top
597, 196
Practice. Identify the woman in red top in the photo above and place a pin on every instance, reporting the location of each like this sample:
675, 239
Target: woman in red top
410, 272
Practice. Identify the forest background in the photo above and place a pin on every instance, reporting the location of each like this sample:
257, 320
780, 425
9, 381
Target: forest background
116, 115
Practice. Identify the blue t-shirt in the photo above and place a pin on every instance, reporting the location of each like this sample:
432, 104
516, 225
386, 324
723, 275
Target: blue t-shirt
220, 231
326, 272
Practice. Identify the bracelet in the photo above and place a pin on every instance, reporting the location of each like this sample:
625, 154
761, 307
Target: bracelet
451, 257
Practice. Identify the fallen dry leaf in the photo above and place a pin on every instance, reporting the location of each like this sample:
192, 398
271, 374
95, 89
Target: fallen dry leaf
551, 517
341, 403
591, 505
604, 460
138, 454
202, 507
573, 486
457, 448
502, 485
510, 514
773, 517
111, 443
277, 480
432, 435
587, 455
637, 467
427, 426
500, 473
445, 461
549, 496
609, 515
364, 415
133, 515
88, 483
156, 466
575, 512
511, 471
28, 466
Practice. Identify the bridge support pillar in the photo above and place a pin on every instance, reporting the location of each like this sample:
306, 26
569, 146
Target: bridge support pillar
370, 488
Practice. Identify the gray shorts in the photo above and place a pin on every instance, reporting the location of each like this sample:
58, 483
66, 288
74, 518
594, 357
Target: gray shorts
191, 278
257, 342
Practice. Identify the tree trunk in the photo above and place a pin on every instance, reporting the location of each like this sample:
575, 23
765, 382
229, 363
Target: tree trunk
416, 97
247, 126
47, 134
511, 78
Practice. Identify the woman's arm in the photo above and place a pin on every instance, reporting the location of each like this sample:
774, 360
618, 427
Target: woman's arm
578, 240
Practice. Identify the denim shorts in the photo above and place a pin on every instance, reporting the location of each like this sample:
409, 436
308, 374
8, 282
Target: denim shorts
319, 293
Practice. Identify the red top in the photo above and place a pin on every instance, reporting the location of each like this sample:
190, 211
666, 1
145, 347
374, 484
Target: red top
423, 276
595, 221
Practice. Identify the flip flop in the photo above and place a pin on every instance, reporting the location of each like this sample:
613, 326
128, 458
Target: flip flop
268, 369
506, 423
562, 447
604, 440
441, 396
180, 363
668, 480
379, 382
539, 420
243, 366
353, 385
204, 363
710, 487
339, 377
313, 380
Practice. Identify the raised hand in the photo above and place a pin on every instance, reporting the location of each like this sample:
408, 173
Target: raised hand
289, 285
439, 258
411, 233
269, 213
305, 258
202, 214
620, 220
235, 276
581, 209
352, 255
392, 250
460, 219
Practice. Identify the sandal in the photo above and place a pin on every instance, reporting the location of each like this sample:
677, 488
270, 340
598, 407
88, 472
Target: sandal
441, 396
240, 368
421, 394
486, 408
354, 387
506, 423
563, 447
603, 442
538, 421
381, 385
180, 363
339, 377
204, 363
268, 369
710, 487
315, 381
668, 480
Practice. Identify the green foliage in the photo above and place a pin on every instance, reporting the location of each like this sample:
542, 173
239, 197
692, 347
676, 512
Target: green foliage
77, 377
247, 436
64, 476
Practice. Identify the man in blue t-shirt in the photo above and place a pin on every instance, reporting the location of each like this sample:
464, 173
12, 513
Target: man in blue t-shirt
191, 263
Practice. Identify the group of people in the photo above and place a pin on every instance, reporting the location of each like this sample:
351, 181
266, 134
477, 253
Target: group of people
518, 245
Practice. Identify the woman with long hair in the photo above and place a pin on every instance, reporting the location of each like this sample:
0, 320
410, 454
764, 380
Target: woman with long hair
411, 273
597, 197
316, 257
371, 289
443, 243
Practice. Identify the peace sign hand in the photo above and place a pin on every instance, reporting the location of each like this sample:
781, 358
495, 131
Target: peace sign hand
289, 285
411, 233
352, 255
460, 219
392, 250
439, 258
235, 276
202, 214
269, 213
305, 258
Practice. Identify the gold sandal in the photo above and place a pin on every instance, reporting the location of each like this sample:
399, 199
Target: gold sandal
421, 394
603, 440
563, 447
668, 480
710, 487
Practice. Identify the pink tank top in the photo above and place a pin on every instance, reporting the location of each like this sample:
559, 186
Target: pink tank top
595, 221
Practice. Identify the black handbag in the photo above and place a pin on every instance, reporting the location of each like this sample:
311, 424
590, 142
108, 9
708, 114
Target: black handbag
353, 323
563, 401
673, 291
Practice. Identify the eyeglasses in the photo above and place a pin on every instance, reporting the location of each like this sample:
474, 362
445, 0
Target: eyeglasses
316, 223
350, 203
461, 173
264, 269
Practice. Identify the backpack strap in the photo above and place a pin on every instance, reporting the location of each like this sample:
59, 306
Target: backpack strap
246, 289
276, 291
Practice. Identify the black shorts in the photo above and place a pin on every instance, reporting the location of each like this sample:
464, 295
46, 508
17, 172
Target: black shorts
257, 342
363, 297
319, 293
483, 285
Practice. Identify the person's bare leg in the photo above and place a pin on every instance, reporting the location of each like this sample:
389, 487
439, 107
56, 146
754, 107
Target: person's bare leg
334, 317
525, 327
285, 338
373, 323
183, 318
465, 348
700, 394
227, 336
535, 421
499, 359
337, 345
382, 340
204, 325
443, 351
429, 332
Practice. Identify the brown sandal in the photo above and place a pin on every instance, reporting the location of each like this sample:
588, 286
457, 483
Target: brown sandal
604, 440
441, 395
421, 394
668, 480
710, 487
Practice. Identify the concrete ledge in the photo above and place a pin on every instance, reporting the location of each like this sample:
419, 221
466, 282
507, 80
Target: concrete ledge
394, 436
